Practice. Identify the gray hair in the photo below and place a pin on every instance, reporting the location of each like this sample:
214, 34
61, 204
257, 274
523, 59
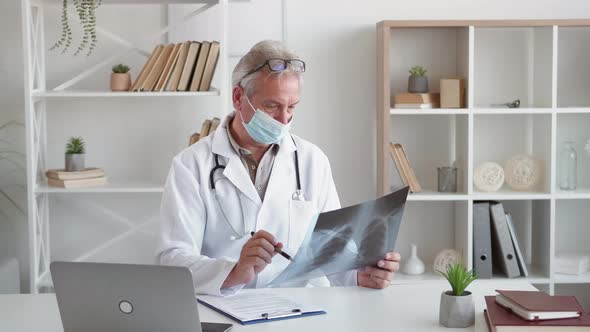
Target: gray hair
257, 55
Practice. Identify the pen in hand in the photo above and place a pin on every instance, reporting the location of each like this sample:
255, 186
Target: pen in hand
279, 251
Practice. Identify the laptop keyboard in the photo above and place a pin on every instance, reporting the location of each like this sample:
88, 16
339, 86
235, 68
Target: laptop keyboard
215, 327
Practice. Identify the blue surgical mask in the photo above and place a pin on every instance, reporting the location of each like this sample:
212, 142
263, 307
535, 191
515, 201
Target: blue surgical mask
263, 128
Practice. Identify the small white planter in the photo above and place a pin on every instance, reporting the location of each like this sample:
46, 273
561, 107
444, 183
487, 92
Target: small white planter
456, 311
75, 162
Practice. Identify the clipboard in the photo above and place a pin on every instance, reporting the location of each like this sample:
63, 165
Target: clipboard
255, 307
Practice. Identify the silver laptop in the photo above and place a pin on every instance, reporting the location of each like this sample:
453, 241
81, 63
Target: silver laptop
125, 297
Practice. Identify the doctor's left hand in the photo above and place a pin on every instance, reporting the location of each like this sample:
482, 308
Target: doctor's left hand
380, 276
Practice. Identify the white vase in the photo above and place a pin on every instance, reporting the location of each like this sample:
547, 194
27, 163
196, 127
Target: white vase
413, 265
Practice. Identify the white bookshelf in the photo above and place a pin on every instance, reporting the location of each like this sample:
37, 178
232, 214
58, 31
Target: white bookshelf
112, 119
110, 187
545, 64
40, 95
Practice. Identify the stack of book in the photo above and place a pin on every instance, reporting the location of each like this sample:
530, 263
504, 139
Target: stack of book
406, 173
187, 66
207, 128
495, 243
89, 177
523, 311
417, 100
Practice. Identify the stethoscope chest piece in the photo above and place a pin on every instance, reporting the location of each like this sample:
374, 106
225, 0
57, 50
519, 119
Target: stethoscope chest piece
298, 195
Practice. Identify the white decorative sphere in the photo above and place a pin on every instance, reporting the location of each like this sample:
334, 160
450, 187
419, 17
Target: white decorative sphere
446, 258
488, 177
522, 172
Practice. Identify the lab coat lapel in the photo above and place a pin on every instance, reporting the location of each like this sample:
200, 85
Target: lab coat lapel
274, 213
234, 170
282, 182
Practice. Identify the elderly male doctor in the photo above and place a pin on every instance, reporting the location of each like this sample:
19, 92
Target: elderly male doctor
252, 175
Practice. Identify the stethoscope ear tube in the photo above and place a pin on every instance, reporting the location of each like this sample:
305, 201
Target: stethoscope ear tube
212, 173
297, 195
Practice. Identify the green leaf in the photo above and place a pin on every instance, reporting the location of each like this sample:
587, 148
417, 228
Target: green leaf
75, 145
417, 71
458, 277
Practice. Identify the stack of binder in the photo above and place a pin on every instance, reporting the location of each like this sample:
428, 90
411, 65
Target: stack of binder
495, 242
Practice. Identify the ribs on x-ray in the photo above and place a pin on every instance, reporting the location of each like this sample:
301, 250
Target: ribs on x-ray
347, 239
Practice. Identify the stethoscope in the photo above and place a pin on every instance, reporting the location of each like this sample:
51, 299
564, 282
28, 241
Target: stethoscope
297, 195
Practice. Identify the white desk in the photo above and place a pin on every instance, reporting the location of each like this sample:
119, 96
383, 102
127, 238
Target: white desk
398, 308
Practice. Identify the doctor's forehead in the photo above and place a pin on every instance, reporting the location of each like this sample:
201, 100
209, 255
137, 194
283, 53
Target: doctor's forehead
283, 88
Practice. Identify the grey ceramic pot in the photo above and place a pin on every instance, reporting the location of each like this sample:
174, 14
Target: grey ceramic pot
75, 162
418, 84
456, 311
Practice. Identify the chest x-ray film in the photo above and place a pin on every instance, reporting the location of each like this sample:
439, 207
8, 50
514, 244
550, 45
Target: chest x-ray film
347, 239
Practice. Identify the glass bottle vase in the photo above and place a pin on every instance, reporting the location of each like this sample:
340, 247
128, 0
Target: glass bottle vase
568, 166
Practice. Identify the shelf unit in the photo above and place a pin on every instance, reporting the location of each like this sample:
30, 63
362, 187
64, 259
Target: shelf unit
40, 104
545, 64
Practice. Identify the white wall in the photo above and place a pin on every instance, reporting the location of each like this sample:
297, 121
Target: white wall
13, 226
337, 112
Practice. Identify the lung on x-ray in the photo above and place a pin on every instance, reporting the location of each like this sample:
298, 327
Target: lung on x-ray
347, 239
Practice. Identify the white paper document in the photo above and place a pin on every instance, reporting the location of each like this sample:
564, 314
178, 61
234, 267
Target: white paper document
257, 305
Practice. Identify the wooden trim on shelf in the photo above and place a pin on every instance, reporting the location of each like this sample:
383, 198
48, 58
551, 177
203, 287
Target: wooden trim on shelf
480, 23
383, 116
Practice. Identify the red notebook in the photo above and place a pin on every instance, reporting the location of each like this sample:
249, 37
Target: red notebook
537, 305
500, 319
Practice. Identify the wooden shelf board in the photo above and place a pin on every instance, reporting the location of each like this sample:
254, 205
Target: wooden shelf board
480, 23
484, 110
536, 276
509, 195
428, 111
437, 196
560, 278
573, 110
583, 193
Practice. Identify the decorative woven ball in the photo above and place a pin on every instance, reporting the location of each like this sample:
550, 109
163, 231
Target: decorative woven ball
446, 258
522, 172
488, 177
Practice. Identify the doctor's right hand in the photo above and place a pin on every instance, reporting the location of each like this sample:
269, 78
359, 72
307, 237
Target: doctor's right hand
256, 254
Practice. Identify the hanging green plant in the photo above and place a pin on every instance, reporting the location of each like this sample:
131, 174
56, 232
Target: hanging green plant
86, 11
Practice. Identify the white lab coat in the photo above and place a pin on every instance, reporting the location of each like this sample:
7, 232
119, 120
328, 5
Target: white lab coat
195, 233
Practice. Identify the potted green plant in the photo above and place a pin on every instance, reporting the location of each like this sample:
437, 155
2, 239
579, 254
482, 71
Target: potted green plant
120, 78
418, 81
75, 152
456, 306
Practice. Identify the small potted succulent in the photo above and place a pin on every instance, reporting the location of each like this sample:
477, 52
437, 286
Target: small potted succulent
75, 153
120, 78
456, 306
418, 81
